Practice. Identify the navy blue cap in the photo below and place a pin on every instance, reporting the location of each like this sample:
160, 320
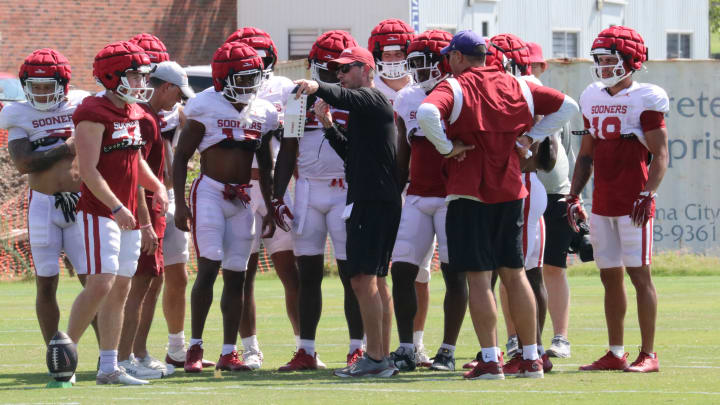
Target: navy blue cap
465, 42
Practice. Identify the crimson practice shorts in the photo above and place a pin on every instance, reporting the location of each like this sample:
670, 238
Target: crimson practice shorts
617, 242
484, 237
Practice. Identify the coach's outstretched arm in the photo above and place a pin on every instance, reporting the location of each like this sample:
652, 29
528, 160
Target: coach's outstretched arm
190, 138
338, 97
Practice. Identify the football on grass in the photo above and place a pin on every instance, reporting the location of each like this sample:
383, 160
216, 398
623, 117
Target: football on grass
61, 357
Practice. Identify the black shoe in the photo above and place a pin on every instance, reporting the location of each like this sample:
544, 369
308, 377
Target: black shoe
403, 359
443, 361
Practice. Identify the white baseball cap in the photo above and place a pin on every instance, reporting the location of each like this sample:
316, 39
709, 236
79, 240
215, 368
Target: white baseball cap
171, 72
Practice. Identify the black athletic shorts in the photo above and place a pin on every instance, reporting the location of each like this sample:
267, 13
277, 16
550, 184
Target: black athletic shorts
558, 233
371, 231
484, 237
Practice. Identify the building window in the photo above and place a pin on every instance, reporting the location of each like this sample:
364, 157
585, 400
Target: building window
485, 30
678, 45
565, 44
301, 40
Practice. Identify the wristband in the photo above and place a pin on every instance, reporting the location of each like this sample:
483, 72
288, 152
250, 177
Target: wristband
116, 209
145, 226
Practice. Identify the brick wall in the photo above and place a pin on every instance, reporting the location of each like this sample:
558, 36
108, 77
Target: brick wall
191, 29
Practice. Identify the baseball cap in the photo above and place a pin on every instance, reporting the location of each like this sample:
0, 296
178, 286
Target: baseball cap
465, 42
171, 72
536, 55
353, 54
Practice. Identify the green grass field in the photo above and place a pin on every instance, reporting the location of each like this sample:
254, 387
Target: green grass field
688, 344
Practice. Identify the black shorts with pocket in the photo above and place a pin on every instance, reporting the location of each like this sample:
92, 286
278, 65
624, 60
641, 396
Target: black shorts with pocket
558, 233
371, 231
484, 237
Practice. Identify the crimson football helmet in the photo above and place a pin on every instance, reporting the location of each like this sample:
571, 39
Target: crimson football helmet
153, 46
112, 65
237, 71
509, 53
49, 69
391, 35
626, 45
327, 47
426, 63
261, 42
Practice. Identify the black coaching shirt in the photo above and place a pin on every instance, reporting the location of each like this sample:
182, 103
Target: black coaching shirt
368, 145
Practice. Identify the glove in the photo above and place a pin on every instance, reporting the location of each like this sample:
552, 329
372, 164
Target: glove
575, 211
67, 201
280, 211
643, 209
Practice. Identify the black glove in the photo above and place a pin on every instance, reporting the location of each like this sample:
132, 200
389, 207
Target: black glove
67, 201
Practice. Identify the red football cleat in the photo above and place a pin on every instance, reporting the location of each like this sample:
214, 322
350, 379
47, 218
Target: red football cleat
547, 364
231, 362
193, 359
354, 356
512, 367
644, 364
485, 371
530, 368
177, 359
301, 361
607, 362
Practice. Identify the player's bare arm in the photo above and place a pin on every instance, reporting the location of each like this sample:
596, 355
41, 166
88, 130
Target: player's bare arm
148, 180
657, 142
264, 159
403, 152
190, 138
284, 166
88, 141
583, 165
148, 238
28, 161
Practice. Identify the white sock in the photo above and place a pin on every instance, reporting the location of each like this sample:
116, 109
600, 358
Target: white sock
108, 361
418, 338
227, 349
449, 347
355, 344
297, 342
194, 342
652, 355
541, 350
308, 345
408, 346
530, 352
251, 343
176, 341
490, 354
618, 351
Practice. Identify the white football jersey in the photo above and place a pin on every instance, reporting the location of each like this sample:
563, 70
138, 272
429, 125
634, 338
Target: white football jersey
222, 121
276, 90
169, 120
387, 91
406, 104
316, 158
613, 117
45, 129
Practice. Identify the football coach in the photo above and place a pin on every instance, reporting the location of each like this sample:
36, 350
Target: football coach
372, 215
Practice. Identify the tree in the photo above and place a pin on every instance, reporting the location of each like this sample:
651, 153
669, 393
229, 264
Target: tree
714, 6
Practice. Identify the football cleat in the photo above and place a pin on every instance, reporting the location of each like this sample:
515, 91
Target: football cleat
177, 359
443, 361
320, 364
118, 377
559, 347
193, 359
354, 356
512, 346
547, 364
152, 363
512, 367
644, 364
365, 367
485, 371
421, 357
253, 358
472, 363
135, 370
607, 362
231, 362
530, 368
403, 359
301, 361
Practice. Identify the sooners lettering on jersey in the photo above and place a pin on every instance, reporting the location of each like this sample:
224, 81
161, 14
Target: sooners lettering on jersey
222, 121
425, 161
45, 129
621, 155
119, 157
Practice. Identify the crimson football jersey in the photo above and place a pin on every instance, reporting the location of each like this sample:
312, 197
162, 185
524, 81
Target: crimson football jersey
154, 154
118, 160
618, 123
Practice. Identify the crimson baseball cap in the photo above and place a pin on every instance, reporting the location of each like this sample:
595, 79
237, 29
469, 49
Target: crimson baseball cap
350, 55
465, 42
536, 54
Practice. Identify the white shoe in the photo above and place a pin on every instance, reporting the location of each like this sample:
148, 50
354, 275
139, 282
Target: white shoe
560, 347
253, 358
118, 377
136, 370
320, 364
72, 379
154, 364
421, 357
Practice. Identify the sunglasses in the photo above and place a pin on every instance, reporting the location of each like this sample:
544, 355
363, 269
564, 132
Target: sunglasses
346, 68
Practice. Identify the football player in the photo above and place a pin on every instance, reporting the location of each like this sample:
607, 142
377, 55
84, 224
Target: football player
108, 142
423, 217
389, 42
41, 144
226, 123
627, 152
320, 198
275, 89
